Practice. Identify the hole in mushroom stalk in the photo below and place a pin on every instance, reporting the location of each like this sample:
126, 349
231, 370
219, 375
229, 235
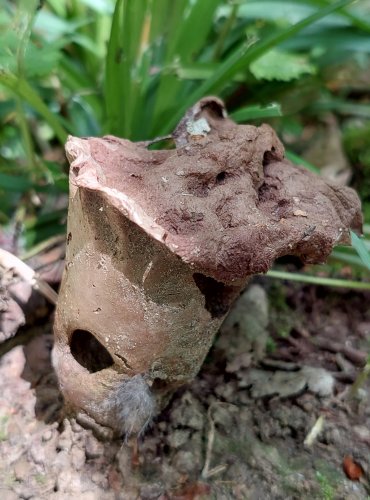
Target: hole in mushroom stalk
268, 157
221, 177
89, 352
218, 295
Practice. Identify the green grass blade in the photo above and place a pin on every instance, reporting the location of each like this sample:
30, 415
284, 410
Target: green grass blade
115, 74
186, 39
253, 112
342, 107
298, 160
121, 84
22, 89
353, 18
318, 280
361, 249
193, 31
347, 258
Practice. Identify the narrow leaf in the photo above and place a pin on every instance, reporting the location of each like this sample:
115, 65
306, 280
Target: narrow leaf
318, 280
360, 249
253, 112
298, 160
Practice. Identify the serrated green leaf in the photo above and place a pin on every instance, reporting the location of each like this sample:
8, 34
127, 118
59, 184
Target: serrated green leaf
280, 65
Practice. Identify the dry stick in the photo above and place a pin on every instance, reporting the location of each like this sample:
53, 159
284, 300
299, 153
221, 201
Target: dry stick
360, 381
315, 431
211, 438
8, 262
206, 472
44, 245
357, 357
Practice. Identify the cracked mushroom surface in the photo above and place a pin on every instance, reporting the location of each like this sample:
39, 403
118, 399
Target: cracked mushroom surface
161, 242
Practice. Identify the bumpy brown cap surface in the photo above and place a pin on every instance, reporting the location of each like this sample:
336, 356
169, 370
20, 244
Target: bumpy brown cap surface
225, 200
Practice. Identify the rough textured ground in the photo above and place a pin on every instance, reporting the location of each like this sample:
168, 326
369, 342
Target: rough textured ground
222, 437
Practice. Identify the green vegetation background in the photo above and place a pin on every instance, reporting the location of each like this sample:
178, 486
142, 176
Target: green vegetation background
132, 67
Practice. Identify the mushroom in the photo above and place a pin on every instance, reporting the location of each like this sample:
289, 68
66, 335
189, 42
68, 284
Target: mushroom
160, 244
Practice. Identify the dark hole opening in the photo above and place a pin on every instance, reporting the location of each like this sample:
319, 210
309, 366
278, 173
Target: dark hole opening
89, 352
218, 296
214, 107
268, 157
221, 177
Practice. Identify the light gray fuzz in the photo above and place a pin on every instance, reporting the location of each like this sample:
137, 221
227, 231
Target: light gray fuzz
133, 405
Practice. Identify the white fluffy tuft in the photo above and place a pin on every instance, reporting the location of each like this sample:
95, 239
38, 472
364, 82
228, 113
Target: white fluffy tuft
133, 405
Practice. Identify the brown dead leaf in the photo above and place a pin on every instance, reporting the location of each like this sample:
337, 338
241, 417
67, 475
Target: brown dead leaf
194, 491
352, 469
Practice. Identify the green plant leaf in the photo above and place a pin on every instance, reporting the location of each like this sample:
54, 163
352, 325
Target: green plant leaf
100, 6
280, 65
244, 55
341, 106
298, 160
253, 112
319, 280
15, 183
360, 249
21, 88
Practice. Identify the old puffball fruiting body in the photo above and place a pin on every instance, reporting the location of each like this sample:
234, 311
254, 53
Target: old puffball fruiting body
161, 243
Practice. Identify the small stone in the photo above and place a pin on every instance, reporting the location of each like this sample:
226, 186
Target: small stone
189, 413
185, 462
179, 437
78, 458
94, 448
98, 478
319, 380
8, 495
151, 491
48, 434
300, 213
22, 469
279, 383
362, 432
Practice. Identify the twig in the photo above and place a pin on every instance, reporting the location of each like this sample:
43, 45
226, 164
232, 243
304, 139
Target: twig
315, 431
357, 357
207, 472
8, 262
43, 246
360, 381
210, 441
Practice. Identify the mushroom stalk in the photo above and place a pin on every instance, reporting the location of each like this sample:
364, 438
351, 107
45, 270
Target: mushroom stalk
161, 243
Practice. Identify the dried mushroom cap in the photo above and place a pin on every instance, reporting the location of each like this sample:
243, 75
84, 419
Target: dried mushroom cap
224, 200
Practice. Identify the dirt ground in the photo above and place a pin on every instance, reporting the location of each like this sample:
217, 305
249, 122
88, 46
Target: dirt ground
244, 429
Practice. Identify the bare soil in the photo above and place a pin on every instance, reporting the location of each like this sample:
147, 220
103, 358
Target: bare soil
222, 437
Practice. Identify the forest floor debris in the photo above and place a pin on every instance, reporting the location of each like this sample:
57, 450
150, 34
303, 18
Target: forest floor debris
216, 439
